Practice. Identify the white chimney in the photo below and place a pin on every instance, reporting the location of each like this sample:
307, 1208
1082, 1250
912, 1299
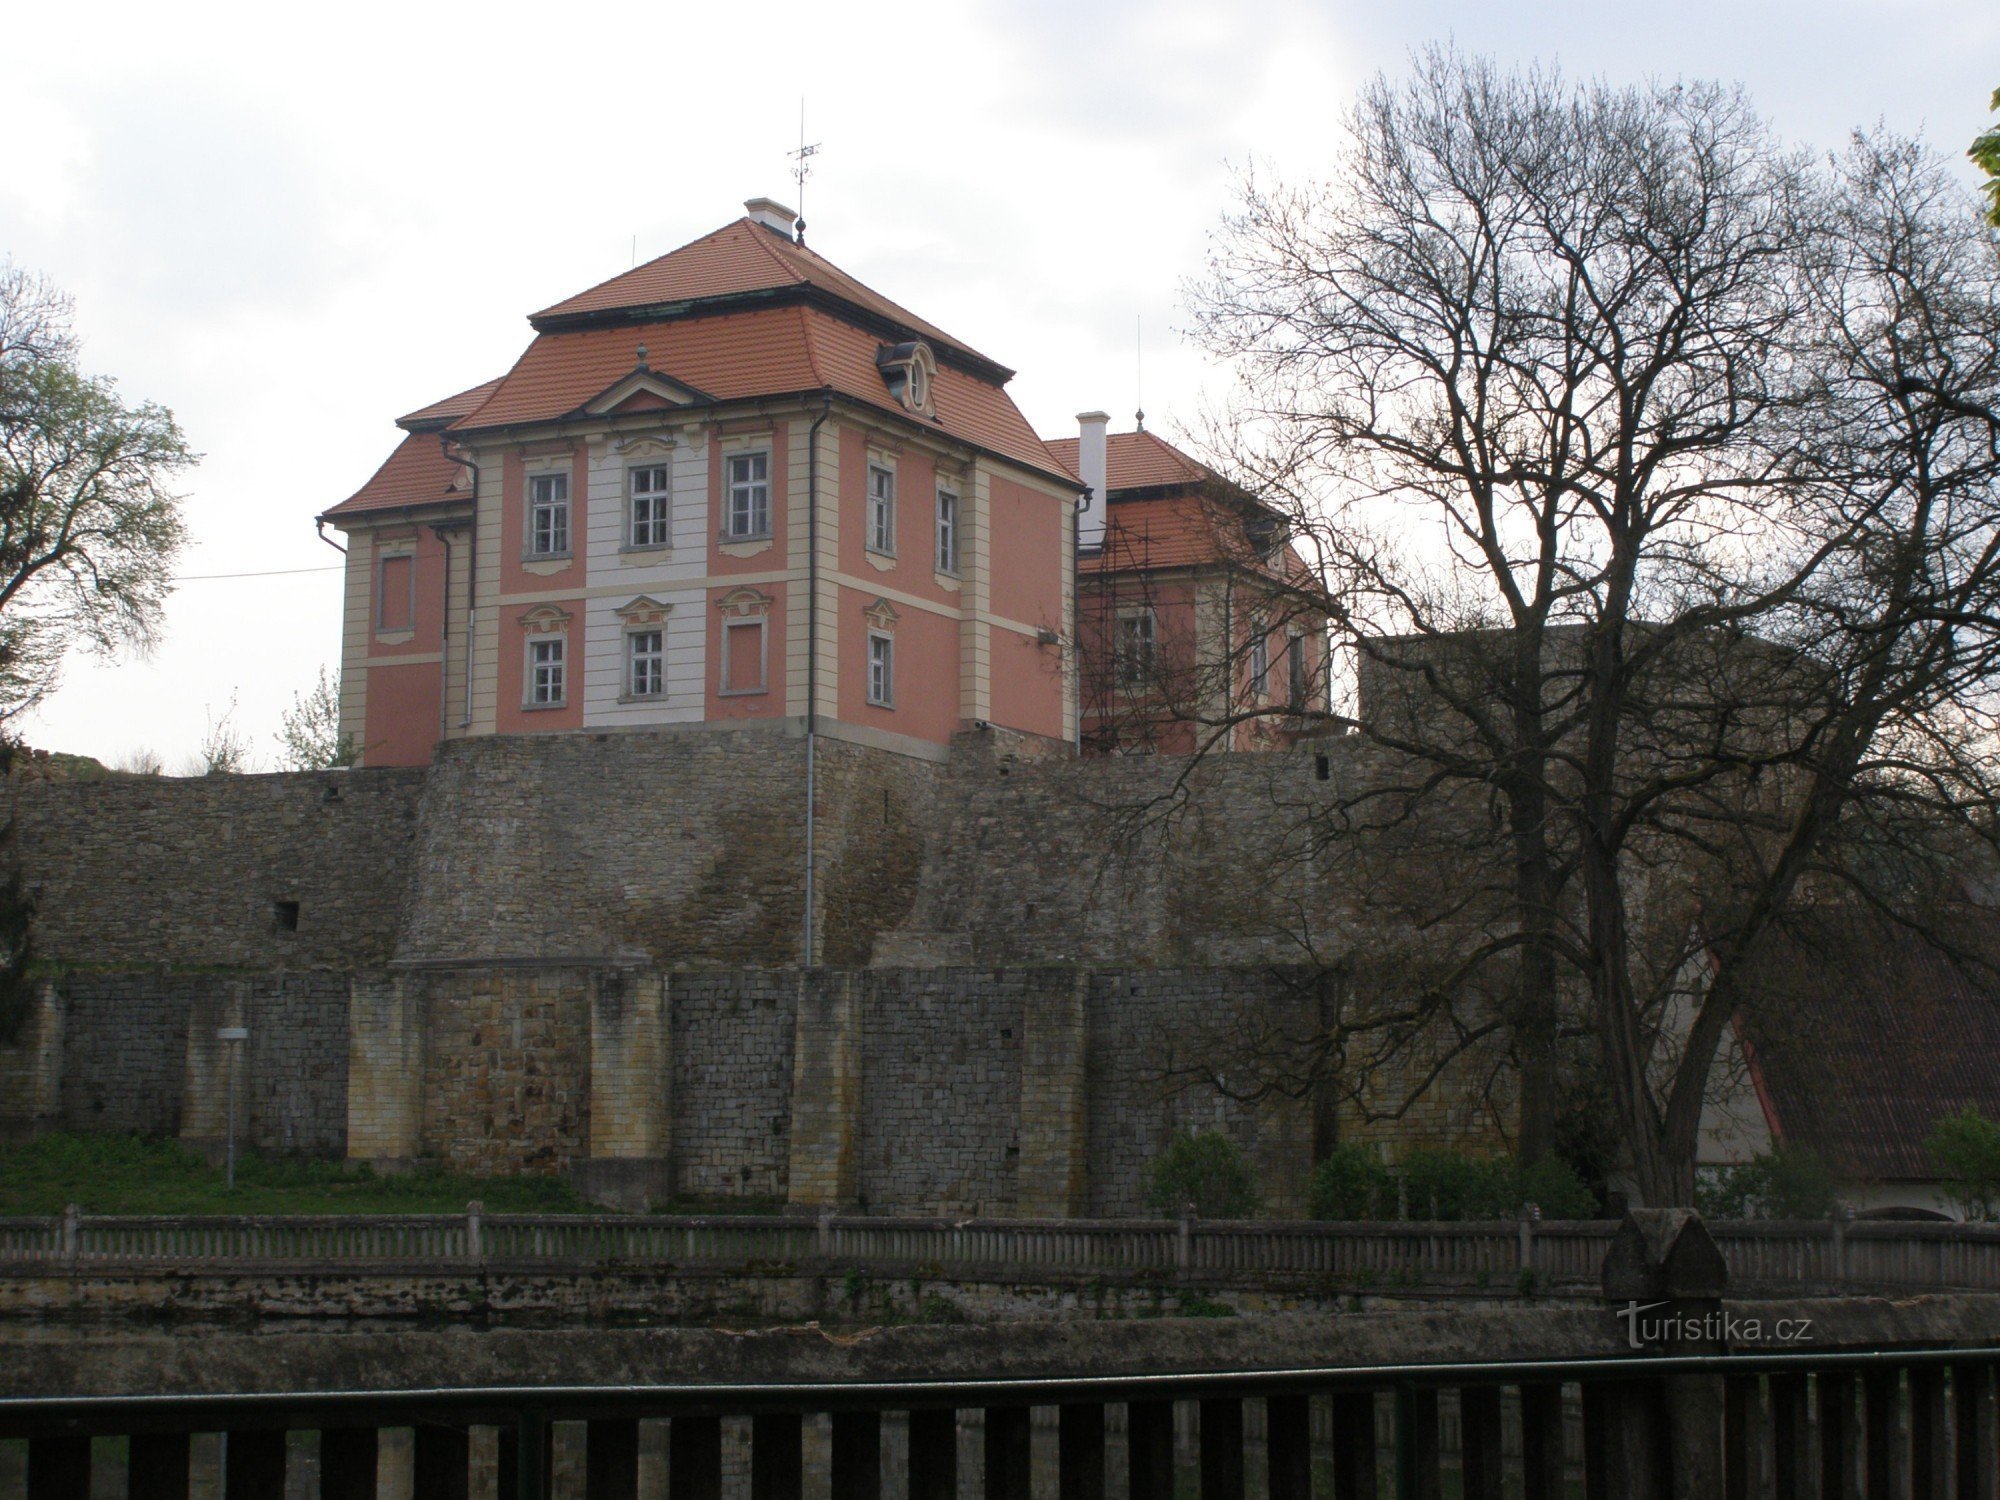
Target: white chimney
1091, 469
771, 214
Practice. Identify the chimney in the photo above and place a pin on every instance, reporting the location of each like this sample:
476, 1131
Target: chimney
1090, 467
772, 214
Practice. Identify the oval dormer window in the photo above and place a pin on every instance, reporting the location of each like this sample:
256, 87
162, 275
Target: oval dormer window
910, 372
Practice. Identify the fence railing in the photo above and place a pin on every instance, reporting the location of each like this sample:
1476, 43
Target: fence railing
1386, 1256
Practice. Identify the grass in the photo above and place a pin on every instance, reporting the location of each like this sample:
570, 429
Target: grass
128, 1174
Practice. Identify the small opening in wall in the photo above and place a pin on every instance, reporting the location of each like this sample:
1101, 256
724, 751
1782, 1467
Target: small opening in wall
885, 806
1013, 1150
1006, 1033
285, 915
1028, 912
1322, 768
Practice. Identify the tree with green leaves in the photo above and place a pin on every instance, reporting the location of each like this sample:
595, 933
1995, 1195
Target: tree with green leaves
90, 524
1985, 154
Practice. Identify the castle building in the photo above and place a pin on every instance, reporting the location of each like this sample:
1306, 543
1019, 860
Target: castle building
731, 484
1199, 626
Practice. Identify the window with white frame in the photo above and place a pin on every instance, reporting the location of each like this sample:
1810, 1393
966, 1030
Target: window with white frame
649, 488
881, 532
881, 669
1132, 651
947, 532
747, 512
645, 663
548, 515
546, 671
1260, 659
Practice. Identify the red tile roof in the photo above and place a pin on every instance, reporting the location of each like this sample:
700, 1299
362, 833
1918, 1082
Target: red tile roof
440, 413
741, 257
417, 473
736, 356
1136, 461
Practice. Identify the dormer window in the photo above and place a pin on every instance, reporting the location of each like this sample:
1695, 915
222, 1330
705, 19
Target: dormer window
910, 372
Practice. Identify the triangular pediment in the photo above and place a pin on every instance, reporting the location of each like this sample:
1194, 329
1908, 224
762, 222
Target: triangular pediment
643, 390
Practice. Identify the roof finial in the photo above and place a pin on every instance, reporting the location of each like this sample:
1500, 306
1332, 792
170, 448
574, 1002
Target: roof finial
801, 170
642, 357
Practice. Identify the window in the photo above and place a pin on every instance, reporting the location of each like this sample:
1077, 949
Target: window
645, 663
396, 595
1133, 652
548, 515
1260, 661
742, 656
881, 511
748, 512
1296, 687
545, 672
881, 669
947, 532
650, 521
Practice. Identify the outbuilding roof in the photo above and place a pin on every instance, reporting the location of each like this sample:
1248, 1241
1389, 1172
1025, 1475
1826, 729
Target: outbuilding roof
1862, 1035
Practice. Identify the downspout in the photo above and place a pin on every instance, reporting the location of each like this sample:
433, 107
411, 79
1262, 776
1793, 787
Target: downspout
319, 530
1076, 617
443, 534
812, 665
471, 577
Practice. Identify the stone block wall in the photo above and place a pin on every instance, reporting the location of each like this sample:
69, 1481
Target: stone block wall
506, 1067
681, 849
188, 871
733, 1034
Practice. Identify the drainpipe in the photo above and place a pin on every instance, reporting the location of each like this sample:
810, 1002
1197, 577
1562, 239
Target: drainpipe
812, 663
471, 577
443, 534
319, 529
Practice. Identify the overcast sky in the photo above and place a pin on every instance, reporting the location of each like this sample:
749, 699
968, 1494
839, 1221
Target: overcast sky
291, 224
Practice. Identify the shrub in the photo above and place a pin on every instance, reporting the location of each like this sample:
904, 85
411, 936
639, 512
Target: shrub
1553, 1186
1786, 1184
1351, 1183
1442, 1184
1206, 1169
1965, 1148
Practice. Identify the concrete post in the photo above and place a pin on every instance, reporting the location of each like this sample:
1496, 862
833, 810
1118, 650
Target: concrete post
1051, 1181
385, 1068
631, 1111
1664, 1438
826, 1090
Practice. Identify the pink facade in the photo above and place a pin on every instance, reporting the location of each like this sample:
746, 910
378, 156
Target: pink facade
629, 510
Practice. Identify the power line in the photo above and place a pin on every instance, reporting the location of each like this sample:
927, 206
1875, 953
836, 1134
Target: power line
273, 573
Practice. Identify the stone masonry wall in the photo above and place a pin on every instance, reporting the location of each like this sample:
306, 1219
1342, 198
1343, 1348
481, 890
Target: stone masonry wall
684, 849
732, 1081
506, 1071
188, 870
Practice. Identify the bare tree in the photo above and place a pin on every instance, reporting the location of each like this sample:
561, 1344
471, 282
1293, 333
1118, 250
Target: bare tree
89, 526
1650, 465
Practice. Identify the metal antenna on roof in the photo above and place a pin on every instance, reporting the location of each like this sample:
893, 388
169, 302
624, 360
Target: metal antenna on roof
802, 168
1139, 370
